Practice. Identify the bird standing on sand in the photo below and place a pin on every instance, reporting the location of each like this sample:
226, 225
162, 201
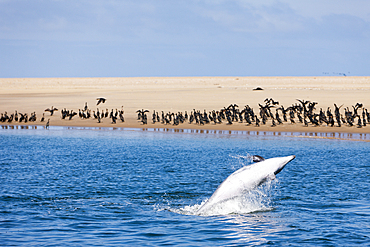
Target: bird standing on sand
51, 110
47, 124
141, 113
100, 100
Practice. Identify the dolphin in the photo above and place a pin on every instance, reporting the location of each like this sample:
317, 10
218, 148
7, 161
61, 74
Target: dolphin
245, 179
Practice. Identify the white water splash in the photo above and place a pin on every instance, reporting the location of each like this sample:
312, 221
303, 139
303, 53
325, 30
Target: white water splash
253, 201
243, 160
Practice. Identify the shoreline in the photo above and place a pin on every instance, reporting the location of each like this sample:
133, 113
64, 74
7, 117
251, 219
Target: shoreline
56, 120
180, 94
345, 136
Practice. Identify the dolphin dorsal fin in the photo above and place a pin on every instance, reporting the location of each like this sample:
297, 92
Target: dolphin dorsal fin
257, 158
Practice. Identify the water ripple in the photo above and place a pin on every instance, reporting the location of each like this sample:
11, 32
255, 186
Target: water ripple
100, 187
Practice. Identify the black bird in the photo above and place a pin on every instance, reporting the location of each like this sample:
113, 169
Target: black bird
72, 114
141, 113
51, 110
268, 101
100, 100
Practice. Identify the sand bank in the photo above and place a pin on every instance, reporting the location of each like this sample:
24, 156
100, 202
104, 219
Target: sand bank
175, 94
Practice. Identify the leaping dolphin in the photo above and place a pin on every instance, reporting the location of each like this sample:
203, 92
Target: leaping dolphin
246, 179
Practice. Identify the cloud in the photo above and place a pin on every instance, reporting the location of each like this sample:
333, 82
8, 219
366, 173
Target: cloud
253, 19
290, 18
161, 21
203, 36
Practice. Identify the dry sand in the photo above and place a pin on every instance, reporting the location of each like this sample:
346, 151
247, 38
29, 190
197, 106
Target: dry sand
181, 94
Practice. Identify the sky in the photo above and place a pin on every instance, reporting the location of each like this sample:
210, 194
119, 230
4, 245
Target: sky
138, 38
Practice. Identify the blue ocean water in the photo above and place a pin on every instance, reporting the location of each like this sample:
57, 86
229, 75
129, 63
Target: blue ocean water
130, 187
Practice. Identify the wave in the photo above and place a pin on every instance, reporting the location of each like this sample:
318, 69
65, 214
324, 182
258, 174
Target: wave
257, 200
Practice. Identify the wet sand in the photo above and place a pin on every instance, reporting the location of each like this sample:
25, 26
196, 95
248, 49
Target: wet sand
175, 94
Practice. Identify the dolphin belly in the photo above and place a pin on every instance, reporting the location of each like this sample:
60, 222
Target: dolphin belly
245, 179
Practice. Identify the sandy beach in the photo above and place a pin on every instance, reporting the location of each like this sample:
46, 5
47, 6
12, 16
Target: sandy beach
180, 94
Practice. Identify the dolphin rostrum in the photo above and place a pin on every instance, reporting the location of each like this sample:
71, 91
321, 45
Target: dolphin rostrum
246, 179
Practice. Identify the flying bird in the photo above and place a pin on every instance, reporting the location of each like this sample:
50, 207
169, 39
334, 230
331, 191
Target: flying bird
100, 100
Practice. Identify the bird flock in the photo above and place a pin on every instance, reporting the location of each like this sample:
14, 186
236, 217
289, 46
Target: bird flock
302, 112
83, 113
270, 112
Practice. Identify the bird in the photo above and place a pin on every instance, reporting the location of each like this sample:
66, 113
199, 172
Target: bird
47, 124
268, 101
141, 113
51, 110
100, 100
